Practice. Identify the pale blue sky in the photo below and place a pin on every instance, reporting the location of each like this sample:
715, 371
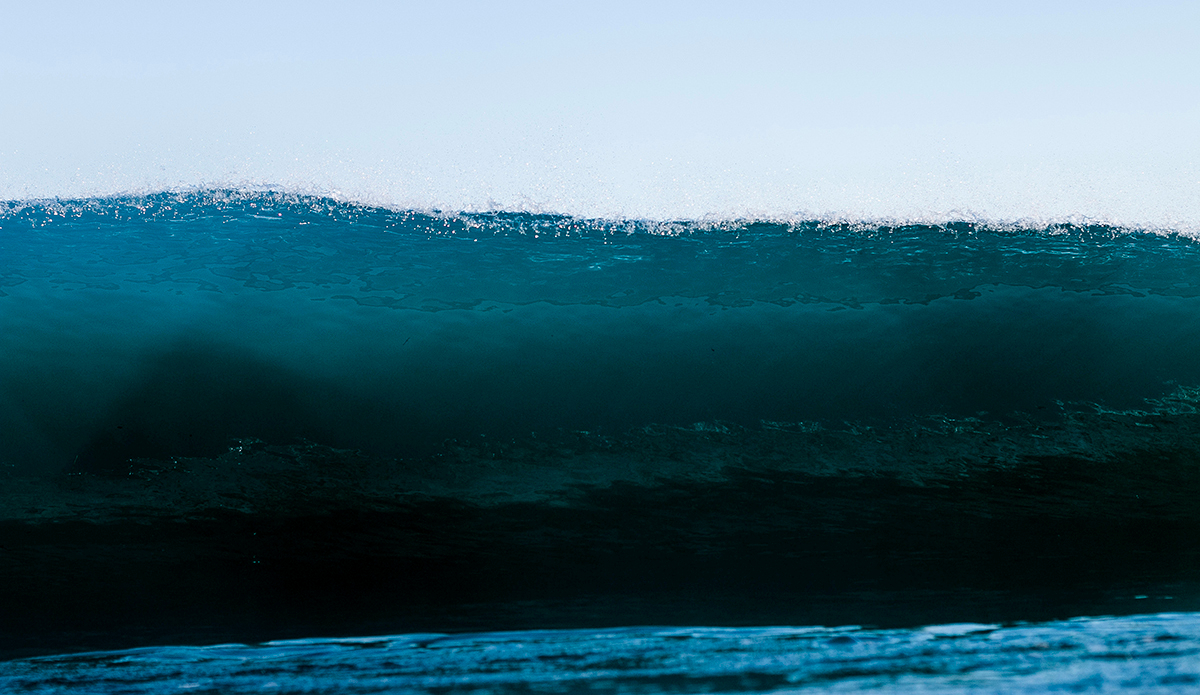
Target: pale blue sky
618, 108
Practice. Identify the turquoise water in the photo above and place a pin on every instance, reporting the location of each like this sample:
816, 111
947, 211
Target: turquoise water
245, 416
1149, 653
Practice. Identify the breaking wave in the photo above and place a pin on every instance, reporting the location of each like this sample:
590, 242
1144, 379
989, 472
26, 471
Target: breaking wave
253, 415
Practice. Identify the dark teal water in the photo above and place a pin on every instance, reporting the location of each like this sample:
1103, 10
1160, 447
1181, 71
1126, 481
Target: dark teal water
244, 416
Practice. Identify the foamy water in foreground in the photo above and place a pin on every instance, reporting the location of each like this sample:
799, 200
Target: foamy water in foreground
1146, 653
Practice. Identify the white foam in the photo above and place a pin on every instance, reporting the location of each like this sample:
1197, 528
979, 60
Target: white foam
925, 113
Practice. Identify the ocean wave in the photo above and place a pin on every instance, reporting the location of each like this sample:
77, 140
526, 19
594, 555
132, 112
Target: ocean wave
485, 419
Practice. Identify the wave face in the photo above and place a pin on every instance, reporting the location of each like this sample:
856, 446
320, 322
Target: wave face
238, 414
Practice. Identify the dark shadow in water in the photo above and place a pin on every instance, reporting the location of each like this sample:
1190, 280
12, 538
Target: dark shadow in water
1054, 540
197, 398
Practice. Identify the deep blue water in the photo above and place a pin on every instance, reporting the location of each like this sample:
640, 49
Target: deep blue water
235, 416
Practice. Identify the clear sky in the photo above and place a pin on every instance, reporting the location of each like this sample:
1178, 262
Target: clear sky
906, 109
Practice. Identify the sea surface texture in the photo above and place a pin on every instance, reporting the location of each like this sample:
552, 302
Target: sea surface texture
232, 416
1144, 654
